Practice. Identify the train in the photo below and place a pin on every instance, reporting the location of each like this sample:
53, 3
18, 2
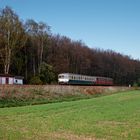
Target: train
78, 79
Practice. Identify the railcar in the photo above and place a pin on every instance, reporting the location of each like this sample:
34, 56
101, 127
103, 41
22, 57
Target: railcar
78, 79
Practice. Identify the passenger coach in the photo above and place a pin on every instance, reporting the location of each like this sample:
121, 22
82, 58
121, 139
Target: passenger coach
77, 79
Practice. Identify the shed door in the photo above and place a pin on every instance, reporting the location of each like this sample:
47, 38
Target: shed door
7, 80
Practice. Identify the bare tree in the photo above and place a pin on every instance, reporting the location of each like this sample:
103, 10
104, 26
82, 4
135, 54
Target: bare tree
38, 34
12, 36
43, 31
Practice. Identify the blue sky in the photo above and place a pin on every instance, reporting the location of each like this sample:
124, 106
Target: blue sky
105, 24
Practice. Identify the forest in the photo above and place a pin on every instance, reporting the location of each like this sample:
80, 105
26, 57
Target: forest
29, 49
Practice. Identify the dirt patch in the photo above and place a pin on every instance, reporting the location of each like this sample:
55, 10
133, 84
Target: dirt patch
111, 123
102, 89
70, 136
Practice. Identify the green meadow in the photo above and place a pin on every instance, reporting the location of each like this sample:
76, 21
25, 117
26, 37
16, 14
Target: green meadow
111, 117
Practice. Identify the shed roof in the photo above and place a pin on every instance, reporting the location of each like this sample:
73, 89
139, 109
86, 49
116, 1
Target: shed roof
18, 77
6, 75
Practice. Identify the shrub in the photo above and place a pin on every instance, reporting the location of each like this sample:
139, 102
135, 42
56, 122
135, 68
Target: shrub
47, 74
35, 81
137, 84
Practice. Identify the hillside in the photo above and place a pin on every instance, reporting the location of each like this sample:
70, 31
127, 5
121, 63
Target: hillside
16, 95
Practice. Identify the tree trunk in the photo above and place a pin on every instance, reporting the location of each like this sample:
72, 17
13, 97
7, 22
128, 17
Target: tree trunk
26, 70
41, 55
34, 71
7, 62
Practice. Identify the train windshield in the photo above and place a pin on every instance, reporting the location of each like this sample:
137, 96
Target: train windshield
61, 76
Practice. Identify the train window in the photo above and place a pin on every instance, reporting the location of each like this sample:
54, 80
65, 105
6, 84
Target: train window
61, 76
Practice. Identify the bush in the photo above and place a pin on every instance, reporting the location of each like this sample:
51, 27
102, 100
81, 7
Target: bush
35, 81
47, 74
137, 84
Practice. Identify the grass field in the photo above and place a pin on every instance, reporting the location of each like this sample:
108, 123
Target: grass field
112, 117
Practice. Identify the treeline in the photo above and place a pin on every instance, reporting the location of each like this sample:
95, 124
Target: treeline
30, 50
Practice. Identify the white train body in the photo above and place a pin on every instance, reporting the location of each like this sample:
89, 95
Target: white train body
77, 79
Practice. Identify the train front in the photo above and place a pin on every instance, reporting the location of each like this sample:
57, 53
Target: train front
63, 79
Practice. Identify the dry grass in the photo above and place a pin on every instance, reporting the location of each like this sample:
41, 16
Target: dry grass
70, 136
15, 95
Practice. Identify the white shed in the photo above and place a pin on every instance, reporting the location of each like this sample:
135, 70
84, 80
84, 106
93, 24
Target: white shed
18, 80
10, 80
6, 79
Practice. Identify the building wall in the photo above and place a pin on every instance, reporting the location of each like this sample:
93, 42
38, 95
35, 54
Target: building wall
3, 80
11, 80
7, 80
18, 81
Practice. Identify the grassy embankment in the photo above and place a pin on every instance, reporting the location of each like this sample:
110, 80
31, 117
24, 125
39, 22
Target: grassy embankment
113, 117
31, 95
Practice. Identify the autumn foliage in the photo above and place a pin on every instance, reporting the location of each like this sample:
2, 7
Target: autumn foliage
33, 51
